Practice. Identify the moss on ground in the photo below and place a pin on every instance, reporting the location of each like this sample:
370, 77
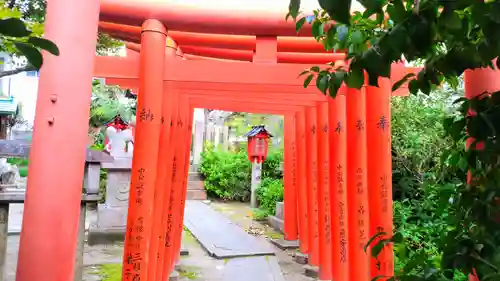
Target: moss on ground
189, 239
110, 272
188, 272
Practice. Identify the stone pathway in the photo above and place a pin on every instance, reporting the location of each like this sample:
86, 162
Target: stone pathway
197, 266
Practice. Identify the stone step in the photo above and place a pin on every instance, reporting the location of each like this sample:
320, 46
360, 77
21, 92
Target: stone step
194, 176
195, 185
196, 194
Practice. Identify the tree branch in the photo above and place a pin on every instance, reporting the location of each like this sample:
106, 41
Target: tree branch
16, 71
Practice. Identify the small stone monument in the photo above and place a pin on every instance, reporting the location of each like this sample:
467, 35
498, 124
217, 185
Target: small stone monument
119, 137
112, 214
9, 174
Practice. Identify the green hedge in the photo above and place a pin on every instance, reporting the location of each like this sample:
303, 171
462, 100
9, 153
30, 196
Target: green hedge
227, 175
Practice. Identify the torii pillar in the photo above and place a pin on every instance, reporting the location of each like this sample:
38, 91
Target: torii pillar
52, 208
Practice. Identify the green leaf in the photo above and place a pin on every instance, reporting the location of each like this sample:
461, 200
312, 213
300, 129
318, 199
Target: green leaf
413, 86
315, 69
299, 24
450, 19
357, 37
13, 27
329, 41
44, 44
338, 10
318, 29
31, 53
293, 8
397, 237
308, 80
322, 82
377, 248
403, 80
355, 78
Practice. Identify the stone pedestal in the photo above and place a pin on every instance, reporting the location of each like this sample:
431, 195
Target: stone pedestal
276, 221
112, 214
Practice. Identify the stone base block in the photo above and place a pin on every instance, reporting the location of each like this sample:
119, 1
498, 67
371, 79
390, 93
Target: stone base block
311, 271
184, 252
285, 244
174, 276
301, 258
280, 210
111, 217
99, 235
276, 223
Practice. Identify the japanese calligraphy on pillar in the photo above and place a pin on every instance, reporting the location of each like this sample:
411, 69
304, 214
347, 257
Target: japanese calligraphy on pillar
168, 232
362, 209
383, 123
342, 214
326, 192
136, 232
315, 191
146, 115
294, 164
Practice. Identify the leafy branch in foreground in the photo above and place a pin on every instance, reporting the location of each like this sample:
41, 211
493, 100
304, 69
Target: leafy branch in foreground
447, 36
23, 38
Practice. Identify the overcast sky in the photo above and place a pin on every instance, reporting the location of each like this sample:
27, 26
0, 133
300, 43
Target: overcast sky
267, 5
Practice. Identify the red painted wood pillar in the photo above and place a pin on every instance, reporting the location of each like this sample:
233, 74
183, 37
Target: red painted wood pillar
290, 194
177, 178
187, 135
171, 174
57, 159
165, 173
312, 187
144, 164
378, 118
357, 194
162, 186
325, 253
338, 181
477, 82
300, 124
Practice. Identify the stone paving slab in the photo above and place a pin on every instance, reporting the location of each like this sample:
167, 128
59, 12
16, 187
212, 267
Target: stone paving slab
261, 268
219, 236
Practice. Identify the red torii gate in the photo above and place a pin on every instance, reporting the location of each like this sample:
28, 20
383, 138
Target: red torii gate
326, 128
323, 179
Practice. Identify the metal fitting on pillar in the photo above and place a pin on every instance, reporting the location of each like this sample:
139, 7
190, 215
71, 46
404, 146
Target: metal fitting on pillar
152, 25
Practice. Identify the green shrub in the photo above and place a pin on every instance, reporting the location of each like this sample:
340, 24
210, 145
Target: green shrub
19, 162
23, 171
226, 174
270, 167
270, 192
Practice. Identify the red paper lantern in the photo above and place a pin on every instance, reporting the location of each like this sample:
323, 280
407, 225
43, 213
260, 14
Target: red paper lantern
258, 142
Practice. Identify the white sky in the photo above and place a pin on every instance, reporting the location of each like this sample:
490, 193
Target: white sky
267, 5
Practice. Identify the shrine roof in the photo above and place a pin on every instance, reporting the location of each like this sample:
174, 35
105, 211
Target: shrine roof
260, 129
8, 105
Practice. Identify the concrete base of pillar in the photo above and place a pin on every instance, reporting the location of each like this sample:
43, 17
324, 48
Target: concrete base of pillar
311, 271
285, 244
301, 258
